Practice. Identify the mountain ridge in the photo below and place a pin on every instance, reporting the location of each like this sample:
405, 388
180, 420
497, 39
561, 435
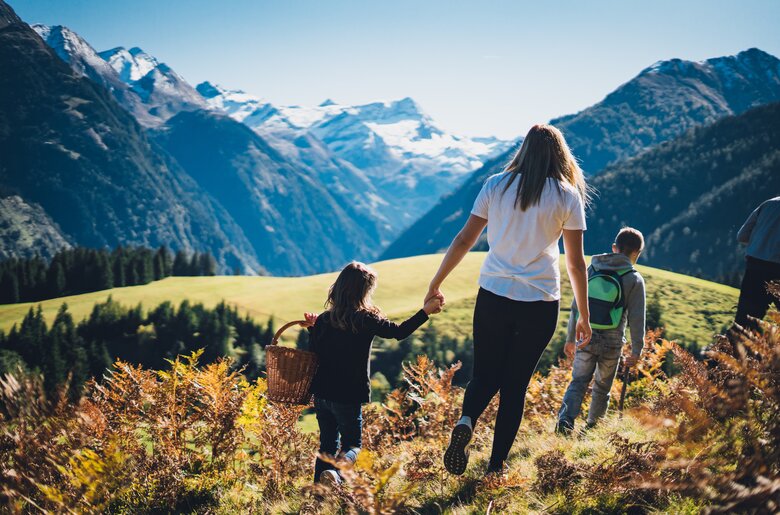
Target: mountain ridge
434, 231
71, 149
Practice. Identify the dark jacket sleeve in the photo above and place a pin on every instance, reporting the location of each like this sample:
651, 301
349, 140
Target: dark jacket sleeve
386, 329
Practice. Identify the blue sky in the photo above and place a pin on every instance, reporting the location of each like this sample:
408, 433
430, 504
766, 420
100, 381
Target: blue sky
479, 67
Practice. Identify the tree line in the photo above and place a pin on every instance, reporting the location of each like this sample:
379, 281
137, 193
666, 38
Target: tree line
74, 352
82, 270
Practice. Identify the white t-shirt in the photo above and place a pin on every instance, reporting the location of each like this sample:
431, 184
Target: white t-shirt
522, 263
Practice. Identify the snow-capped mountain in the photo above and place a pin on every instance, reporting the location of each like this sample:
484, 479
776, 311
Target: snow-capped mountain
85, 61
396, 144
150, 90
159, 87
389, 157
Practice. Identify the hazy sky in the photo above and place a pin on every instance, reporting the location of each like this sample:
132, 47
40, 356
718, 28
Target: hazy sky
479, 67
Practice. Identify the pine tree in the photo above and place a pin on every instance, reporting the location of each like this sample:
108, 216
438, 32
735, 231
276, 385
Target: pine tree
268, 335
104, 274
180, 264
167, 261
9, 287
162, 263
207, 265
302, 341
73, 353
56, 279
193, 267
118, 266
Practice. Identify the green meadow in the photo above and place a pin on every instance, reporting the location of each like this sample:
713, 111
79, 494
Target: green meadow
693, 309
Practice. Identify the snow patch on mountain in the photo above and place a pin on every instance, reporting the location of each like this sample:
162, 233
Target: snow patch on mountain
131, 65
395, 143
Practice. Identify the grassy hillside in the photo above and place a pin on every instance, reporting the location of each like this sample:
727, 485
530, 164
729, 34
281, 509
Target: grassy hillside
692, 308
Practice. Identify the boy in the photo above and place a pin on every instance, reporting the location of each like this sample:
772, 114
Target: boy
616, 295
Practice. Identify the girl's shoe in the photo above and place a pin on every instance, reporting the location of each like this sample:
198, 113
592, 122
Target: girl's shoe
456, 458
330, 478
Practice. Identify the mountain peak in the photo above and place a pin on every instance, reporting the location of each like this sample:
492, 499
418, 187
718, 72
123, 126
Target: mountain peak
327, 102
752, 57
407, 104
208, 90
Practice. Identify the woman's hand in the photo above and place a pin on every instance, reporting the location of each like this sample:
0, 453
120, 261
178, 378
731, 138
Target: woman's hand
311, 318
434, 304
433, 292
583, 332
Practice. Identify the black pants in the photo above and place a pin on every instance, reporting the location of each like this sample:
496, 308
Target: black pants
754, 299
509, 338
341, 428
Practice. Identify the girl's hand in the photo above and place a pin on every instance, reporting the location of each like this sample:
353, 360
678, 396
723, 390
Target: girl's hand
434, 304
583, 331
433, 292
311, 318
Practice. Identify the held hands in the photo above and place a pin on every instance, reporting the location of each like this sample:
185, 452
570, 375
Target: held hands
434, 301
311, 318
434, 291
434, 304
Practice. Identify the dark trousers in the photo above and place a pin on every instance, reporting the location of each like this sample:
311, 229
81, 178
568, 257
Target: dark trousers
754, 299
341, 428
509, 338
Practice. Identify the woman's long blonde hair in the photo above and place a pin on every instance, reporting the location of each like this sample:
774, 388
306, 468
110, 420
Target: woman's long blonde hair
350, 296
543, 154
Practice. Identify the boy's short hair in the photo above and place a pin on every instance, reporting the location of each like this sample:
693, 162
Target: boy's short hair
629, 240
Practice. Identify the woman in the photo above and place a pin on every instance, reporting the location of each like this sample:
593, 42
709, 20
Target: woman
540, 195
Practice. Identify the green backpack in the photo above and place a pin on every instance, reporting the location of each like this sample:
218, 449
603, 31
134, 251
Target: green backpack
605, 297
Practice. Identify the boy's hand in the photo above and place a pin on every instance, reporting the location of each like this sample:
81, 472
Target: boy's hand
569, 349
311, 318
630, 361
434, 304
583, 332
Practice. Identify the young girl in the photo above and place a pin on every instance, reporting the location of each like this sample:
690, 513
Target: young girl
341, 337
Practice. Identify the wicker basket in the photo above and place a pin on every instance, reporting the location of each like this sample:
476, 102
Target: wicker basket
289, 371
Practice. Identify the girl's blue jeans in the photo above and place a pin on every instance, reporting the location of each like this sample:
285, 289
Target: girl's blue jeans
341, 428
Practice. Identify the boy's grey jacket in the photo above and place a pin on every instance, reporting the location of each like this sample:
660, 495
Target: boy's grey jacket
634, 312
761, 231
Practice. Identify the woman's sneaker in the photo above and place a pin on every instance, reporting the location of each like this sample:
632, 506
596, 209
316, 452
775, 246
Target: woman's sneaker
497, 472
456, 457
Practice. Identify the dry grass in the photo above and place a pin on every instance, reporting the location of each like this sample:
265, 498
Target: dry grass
202, 439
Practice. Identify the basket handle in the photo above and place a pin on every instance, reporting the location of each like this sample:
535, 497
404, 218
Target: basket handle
284, 328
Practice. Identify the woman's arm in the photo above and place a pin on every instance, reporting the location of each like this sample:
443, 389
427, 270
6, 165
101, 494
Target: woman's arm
578, 275
459, 247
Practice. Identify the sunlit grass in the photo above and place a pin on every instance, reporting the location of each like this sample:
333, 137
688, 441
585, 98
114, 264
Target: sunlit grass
692, 307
